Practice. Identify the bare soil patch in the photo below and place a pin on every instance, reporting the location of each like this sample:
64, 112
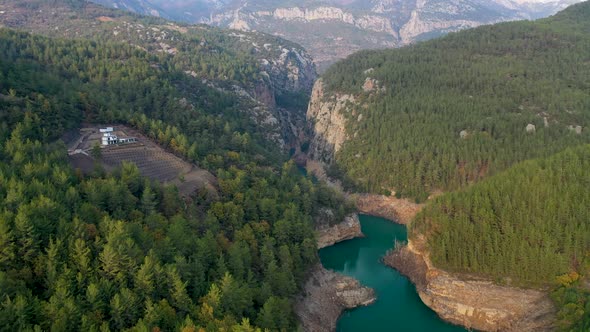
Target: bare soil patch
152, 160
105, 19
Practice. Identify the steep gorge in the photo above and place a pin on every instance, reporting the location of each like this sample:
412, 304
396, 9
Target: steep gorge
384, 113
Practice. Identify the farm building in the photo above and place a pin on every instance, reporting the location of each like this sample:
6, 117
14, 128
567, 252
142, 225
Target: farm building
109, 138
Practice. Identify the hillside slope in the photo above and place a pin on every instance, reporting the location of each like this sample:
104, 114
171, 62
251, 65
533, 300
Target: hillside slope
528, 223
116, 251
526, 226
270, 76
445, 113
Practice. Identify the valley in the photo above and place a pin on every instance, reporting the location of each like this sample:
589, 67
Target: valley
397, 304
397, 123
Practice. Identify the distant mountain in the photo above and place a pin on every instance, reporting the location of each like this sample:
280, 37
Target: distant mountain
333, 29
136, 6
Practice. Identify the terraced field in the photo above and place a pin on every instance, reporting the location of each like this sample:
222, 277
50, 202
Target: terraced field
159, 165
151, 160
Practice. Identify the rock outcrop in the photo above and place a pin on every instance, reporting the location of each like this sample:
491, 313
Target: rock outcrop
367, 22
288, 74
417, 25
474, 303
401, 211
576, 129
327, 118
291, 70
325, 296
332, 30
348, 229
530, 128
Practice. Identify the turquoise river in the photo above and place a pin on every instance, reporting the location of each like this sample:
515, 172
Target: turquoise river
398, 307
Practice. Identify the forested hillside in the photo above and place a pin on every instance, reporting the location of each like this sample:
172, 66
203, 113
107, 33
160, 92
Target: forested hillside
509, 224
451, 111
116, 251
270, 77
528, 226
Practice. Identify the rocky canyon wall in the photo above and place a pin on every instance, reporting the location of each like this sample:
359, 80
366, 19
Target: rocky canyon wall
326, 295
325, 115
474, 303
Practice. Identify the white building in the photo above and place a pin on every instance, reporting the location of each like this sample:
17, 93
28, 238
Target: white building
108, 138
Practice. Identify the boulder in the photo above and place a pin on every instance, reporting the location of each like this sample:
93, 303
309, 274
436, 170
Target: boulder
531, 128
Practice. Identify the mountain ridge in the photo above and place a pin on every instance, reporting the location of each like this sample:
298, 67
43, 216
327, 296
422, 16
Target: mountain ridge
331, 30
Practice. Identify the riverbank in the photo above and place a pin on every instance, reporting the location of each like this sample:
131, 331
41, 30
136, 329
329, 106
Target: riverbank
401, 211
398, 306
397, 210
348, 229
326, 295
475, 304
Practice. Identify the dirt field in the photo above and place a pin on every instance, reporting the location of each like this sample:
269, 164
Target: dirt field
151, 160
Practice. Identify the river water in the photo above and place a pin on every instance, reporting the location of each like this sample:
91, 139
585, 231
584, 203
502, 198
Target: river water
398, 307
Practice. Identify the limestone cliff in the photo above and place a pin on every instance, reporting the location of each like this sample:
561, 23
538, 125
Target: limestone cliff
368, 22
289, 73
474, 303
326, 116
290, 68
348, 229
325, 296
332, 30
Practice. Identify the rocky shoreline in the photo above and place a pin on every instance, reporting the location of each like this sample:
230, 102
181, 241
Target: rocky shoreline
348, 229
401, 211
474, 303
459, 299
326, 295
471, 302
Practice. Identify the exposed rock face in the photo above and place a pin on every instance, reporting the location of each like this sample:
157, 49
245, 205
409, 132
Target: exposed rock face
286, 69
318, 169
332, 30
326, 295
371, 85
136, 6
367, 22
326, 116
422, 21
401, 211
292, 70
348, 229
531, 128
576, 129
477, 304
